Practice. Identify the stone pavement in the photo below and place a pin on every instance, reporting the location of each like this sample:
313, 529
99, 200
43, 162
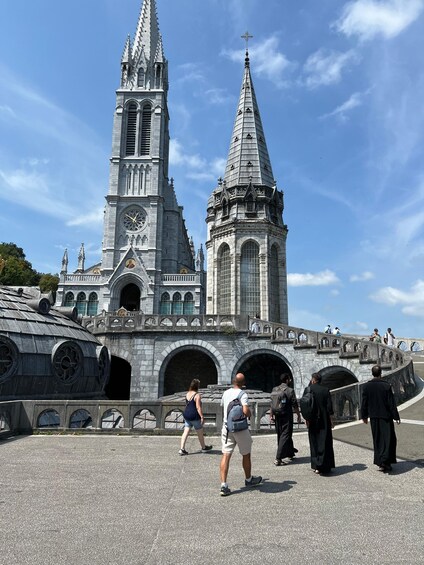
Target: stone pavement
106, 500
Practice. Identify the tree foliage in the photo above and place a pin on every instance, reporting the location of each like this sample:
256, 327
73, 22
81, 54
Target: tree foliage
16, 270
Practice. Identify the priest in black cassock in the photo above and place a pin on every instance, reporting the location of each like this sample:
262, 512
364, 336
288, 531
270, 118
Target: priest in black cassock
378, 404
319, 429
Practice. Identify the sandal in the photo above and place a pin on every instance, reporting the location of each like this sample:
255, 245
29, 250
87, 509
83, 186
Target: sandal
278, 463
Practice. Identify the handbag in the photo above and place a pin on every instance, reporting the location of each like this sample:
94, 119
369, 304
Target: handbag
190, 412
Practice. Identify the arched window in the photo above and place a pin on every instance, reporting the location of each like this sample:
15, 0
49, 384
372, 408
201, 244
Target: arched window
131, 129
140, 77
93, 304
146, 125
69, 300
188, 303
81, 303
250, 294
224, 280
158, 76
177, 304
165, 304
274, 285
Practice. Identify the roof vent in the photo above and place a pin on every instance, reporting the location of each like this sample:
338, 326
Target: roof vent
40, 305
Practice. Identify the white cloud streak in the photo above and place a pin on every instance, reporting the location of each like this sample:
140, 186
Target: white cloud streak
323, 278
412, 301
341, 111
325, 67
368, 19
365, 276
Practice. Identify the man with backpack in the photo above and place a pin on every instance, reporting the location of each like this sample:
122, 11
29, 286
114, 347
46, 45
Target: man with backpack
283, 404
235, 431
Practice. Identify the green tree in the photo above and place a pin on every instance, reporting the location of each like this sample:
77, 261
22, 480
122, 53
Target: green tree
16, 270
48, 283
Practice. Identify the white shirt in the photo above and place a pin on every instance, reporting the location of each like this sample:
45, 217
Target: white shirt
231, 394
390, 339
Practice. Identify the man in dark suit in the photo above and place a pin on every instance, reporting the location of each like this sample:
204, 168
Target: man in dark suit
378, 404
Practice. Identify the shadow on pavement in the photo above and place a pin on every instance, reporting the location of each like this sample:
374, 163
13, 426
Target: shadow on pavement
345, 469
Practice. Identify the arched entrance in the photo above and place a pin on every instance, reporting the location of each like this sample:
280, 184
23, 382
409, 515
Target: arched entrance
336, 377
263, 370
119, 384
130, 297
185, 366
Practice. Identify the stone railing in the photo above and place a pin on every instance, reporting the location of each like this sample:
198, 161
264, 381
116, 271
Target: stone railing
79, 278
165, 416
181, 279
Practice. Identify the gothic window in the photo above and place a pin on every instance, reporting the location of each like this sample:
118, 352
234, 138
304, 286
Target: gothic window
177, 304
140, 78
249, 279
224, 280
81, 303
92, 304
67, 361
188, 303
69, 299
165, 304
146, 125
274, 285
131, 129
8, 358
225, 209
158, 76
250, 205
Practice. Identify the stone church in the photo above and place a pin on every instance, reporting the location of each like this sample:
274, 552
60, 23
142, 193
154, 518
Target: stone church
148, 262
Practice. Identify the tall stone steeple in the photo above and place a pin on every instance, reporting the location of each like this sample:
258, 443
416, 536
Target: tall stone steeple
246, 234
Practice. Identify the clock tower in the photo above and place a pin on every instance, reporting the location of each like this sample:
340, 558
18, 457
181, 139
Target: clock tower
148, 261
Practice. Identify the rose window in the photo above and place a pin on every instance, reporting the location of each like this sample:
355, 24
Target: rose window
67, 362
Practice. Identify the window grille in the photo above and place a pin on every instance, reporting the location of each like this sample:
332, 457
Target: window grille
250, 280
92, 305
177, 304
165, 304
146, 125
188, 303
224, 280
69, 300
81, 303
131, 129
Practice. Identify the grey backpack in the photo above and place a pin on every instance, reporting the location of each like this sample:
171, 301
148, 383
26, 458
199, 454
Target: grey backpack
236, 419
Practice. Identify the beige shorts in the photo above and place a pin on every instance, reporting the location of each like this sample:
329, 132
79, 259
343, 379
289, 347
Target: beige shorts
243, 439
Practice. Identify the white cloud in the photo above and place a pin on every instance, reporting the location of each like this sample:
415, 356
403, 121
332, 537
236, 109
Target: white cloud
7, 110
412, 300
218, 96
361, 325
323, 278
352, 102
334, 292
365, 276
197, 167
326, 66
268, 60
87, 220
369, 18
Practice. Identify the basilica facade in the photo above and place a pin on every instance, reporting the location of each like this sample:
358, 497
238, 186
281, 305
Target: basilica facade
149, 264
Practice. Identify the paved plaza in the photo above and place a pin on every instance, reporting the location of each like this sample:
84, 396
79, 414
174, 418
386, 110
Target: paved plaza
90, 499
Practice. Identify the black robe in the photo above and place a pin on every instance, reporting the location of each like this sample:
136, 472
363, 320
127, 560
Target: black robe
378, 404
284, 425
319, 431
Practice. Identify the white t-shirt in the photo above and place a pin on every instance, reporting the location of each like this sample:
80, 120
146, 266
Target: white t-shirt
230, 395
390, 339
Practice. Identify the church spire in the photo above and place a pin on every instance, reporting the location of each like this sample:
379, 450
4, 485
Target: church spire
147, 37
248, 160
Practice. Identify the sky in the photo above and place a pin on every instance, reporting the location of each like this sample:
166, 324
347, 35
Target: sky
340, 88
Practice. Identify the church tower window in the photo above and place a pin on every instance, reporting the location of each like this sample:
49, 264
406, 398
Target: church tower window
140, 77
131, 129
146, 125
224, 280
249, 279
274, 285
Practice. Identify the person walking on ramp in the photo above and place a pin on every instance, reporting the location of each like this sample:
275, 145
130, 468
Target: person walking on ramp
235, 431
283, 404
193, 417
378, 404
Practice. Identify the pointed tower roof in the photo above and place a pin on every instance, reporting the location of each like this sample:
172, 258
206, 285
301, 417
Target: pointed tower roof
126, 55
248, 160
147, 36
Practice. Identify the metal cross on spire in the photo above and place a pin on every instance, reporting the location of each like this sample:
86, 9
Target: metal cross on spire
246, 37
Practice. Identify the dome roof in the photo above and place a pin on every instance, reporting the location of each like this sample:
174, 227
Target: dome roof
44, 352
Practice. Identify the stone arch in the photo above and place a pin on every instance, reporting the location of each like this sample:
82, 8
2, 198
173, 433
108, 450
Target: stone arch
262, 368
118, 386
186, 345
120, 283
336, 376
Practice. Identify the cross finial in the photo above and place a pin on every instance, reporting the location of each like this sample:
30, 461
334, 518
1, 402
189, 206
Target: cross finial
246, 37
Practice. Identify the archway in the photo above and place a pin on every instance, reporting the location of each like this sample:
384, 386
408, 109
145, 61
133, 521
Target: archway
119, 384
130, 297
336, 377
263, 370
185, 366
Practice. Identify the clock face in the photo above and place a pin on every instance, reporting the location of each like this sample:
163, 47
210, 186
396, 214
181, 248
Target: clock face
134, 219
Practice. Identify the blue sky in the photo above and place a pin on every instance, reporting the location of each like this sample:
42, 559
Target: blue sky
340, 86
